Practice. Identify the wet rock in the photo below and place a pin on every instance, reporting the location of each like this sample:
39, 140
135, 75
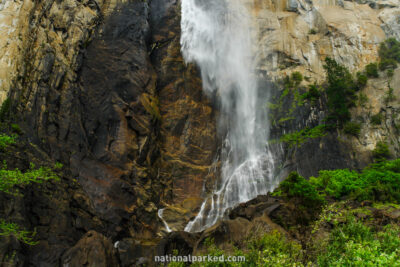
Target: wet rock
93, 249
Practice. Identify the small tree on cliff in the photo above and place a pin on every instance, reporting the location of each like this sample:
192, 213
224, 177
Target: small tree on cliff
340, 92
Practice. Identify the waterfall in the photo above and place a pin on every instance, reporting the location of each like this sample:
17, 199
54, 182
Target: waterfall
218, 36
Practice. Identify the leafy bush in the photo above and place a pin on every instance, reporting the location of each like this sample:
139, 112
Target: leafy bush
378, 182
312, 94
389, 52
313, 31
295, 186
381, 151
377, 119
297, 77
371, 70
355, 244
272, 249
336, 183
12, 178
7, 229
6, 140
5, 109
362, 80
298, 138
340, 91
16, 129
352, 128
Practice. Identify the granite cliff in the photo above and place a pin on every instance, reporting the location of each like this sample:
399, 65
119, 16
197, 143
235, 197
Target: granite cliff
101, 86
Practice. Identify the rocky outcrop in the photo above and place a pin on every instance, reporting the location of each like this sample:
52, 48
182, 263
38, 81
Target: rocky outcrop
297, 35
93, 250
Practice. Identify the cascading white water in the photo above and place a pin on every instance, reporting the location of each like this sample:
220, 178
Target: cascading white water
218, 36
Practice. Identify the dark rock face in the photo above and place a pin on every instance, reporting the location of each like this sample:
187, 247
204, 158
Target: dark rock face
92, 250
127, 114
112, 99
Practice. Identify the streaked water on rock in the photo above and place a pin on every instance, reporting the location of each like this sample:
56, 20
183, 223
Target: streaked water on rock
218, 36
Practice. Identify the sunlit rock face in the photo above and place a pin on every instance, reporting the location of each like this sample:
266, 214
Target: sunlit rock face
297, 35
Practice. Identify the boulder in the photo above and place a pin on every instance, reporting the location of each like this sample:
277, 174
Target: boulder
93, 250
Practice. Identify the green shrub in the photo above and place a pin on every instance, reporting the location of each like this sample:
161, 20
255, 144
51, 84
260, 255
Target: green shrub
12, 178
337, 183
378, 182
389, 52
340, 92
6, 140
352, 128
297, 77
313, 93
295, 186
5, 109
271, 249
377, 119
313, 31
274, 249
355, 244
298, 138
7, 229
371, 70
362, 80
387, 64
16, 129
381, 151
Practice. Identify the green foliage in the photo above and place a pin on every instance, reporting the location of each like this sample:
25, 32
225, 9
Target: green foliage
298, 138
6, 140
297, 77
378, 182
355, 244
377, 119
16, 129
313, 93
389, 52
362, 80
295, 186
271, 249
12, 178
352, 128
390, 73
381, 151
5, 109
7, 229
340, 92
274, 249
313, 31
371, 70
336, 183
